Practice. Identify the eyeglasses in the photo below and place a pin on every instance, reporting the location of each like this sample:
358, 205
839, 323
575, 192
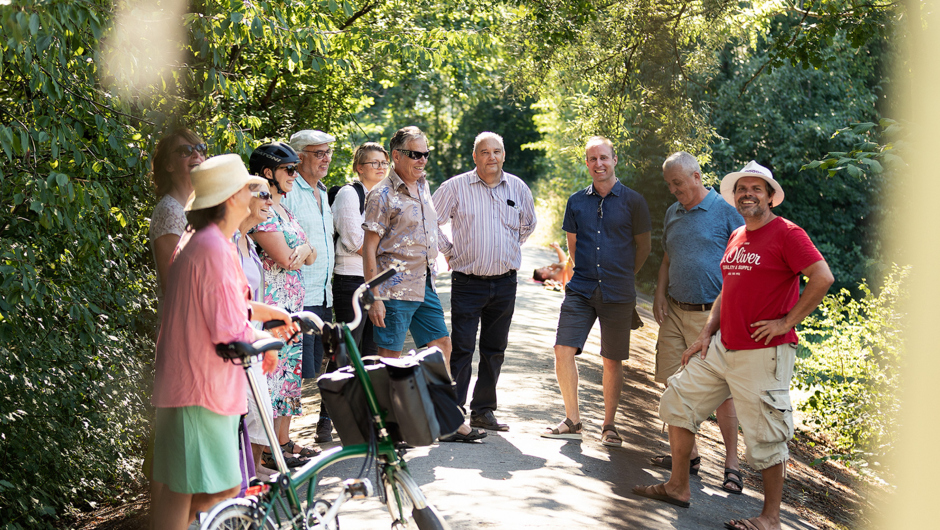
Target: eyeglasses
377, 164
186, 150
263, 195
415, 155
289, 169
319, 154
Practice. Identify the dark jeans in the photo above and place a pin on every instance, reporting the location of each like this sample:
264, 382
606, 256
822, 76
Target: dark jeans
313, 344
343, 289
489, 305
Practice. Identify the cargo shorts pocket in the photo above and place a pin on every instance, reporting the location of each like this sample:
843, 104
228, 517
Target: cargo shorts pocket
776, 423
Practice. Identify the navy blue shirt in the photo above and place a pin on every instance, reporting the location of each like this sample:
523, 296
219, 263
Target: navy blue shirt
695, 241
605, 252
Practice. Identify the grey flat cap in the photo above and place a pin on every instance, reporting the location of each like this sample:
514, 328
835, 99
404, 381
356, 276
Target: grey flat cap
301, 139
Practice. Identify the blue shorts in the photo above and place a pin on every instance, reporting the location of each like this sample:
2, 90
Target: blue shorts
424, 319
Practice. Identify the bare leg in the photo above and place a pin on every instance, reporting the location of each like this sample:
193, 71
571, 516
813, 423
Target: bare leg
446, 347
156, 489
256, 450
773, 494
681, 442
170, 509
203, 502
613, 385
566, 371
389, 353
728, 423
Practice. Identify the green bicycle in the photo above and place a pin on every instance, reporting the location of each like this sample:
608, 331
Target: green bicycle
277, 504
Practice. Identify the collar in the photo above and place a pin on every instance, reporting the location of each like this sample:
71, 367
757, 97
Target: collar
705, 203
615, 190
397, 181
476, 178
306, 185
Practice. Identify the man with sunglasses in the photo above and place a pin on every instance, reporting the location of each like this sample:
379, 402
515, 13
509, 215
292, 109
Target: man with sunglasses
401, 226
491, 214
608, 229
310, 205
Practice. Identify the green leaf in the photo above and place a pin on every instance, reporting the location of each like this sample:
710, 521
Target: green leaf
863, 127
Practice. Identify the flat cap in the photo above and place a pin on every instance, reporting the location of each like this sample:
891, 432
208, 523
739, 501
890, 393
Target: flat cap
301, 139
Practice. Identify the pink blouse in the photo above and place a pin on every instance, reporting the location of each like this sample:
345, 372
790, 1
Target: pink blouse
205, 304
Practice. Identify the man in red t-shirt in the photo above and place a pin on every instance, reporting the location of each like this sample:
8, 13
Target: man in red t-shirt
748, 347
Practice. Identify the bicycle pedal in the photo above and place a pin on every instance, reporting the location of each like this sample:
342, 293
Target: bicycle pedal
359, 488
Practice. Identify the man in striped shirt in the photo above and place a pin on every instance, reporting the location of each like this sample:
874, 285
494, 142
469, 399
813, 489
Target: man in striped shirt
491, 214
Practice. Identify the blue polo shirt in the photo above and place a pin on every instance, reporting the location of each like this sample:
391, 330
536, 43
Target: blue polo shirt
605, 252
695, 241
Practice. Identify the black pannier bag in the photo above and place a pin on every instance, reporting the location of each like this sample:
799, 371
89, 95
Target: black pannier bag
415, 393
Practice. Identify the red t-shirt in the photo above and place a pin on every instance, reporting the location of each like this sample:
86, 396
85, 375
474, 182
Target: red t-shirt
761, 273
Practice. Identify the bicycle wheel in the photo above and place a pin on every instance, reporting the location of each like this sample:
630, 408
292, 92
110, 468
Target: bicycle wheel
407, 505
234, 514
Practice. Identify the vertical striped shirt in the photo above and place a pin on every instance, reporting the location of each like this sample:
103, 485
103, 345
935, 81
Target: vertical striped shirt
489, 224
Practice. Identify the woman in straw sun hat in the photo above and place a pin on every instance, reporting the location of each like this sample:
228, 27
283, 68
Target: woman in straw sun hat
199, 397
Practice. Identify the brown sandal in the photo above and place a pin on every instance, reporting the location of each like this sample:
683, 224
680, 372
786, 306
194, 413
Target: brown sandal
573, 433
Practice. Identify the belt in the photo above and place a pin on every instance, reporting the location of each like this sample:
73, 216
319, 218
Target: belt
691, 307
488, 278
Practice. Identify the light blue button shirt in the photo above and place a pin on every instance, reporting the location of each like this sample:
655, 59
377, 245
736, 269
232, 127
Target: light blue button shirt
319, 229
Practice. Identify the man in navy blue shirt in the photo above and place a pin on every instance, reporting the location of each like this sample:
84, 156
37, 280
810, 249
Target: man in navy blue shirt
608, 230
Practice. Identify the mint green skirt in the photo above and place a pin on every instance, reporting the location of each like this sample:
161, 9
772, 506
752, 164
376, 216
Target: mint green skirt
196, 450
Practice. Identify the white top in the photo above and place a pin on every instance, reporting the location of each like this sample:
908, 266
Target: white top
347, 222
169, 217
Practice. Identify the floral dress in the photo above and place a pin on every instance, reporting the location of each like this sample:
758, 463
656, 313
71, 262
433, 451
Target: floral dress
284, 289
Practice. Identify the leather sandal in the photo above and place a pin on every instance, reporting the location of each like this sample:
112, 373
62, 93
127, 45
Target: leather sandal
612, 440
733, 476
573, 433
305, 452
665, 461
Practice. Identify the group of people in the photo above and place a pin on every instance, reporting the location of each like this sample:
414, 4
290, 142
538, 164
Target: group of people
236, 246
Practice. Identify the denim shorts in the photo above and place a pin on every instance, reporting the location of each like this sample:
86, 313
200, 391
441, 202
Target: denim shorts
424, 319
578, 315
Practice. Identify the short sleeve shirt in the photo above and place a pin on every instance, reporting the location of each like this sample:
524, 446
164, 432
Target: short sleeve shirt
169, 217
605, 253
407, 227
761, 271
695, 241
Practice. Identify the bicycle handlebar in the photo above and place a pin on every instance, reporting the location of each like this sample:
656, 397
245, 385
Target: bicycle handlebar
382, 277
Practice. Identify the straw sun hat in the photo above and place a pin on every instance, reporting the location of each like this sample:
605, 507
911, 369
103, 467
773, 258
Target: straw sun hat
217, 179
752, 169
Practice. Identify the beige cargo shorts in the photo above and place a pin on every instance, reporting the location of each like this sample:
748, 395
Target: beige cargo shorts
759, 382
678, 332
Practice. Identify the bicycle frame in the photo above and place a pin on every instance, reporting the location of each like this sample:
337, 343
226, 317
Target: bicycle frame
269, 495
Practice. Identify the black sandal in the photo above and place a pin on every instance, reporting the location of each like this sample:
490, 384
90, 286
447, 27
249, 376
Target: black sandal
734, 477
267, 460
305, 452
665, 462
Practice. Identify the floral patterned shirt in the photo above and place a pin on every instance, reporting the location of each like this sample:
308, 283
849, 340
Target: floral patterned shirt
283, 288
407, 227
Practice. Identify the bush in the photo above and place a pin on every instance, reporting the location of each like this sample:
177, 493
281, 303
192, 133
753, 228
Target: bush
850, 361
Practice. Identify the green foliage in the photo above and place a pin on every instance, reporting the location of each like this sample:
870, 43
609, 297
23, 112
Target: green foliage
75, 308
783, 121
850, 365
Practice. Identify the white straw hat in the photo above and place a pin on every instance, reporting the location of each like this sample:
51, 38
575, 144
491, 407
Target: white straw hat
752, 169
217, 179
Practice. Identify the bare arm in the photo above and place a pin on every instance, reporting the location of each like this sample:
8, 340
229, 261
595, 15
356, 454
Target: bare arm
660, 305
370, 245
276, 247
561, 253
820, 278
643, 247
572, 243
163, 249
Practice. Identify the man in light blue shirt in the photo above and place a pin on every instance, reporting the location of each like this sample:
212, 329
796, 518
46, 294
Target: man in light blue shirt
695, 233
309, 204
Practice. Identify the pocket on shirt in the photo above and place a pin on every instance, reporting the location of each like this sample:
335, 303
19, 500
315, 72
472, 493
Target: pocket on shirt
512, 218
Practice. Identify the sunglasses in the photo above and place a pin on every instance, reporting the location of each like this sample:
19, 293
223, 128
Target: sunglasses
415, 155
263, 195
186, 151
290, 170
377, 164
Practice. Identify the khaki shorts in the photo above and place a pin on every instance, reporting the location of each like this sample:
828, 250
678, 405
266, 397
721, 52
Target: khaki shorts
759, 382
678, 331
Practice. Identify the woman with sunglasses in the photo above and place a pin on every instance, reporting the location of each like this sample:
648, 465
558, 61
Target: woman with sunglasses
370, 163
175, 156
284, 249
198, 396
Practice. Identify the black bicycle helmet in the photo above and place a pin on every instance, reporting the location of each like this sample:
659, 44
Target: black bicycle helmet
271, 155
